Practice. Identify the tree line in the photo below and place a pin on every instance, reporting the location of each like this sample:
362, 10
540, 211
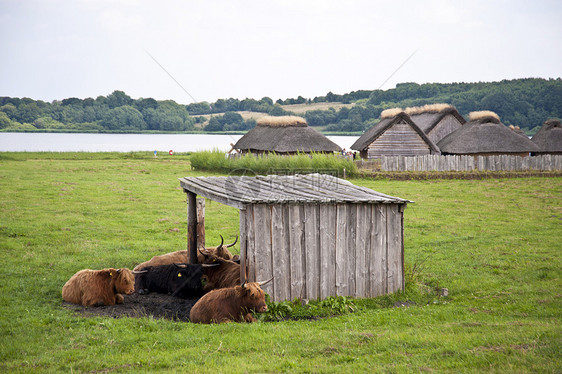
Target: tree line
526, 103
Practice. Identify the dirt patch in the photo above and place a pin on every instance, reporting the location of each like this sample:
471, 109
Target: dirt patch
135, 305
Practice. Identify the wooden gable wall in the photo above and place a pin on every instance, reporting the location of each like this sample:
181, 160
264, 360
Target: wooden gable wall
398, 140
447, 125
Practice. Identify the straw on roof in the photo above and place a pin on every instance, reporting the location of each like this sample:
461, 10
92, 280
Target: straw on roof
428, 116
285, 134
282, 121
377, 130
485, 134
392, 112
549, 137
484, 116
429, 108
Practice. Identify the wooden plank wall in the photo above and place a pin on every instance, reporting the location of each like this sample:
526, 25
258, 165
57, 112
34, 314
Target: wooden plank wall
447, 125
400, 139
463, 163
314, 251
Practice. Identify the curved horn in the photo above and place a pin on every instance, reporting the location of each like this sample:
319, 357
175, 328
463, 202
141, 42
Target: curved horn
265, 282
139, 271
206, 253
222, 241
243, 284
230, 245
180, 265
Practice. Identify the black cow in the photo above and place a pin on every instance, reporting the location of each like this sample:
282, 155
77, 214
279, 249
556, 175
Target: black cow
181, 280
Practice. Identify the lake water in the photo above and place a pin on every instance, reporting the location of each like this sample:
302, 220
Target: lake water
49, 142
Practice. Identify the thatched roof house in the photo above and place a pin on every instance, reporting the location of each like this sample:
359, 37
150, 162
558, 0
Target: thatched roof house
436, 120
549, 138
284, 135
395, 135
484, 135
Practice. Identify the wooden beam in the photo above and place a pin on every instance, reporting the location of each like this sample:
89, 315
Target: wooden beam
200, 223
192, 227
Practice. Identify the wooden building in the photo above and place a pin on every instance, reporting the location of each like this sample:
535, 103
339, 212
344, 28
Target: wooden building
436, 120
395, 135
316, 235
284, 135
549, 138
485, 135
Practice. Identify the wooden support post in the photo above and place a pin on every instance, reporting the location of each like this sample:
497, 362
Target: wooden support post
192, 227
200, 223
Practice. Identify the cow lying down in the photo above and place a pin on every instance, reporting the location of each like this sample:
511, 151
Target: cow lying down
180, 280
99, 287
230, 304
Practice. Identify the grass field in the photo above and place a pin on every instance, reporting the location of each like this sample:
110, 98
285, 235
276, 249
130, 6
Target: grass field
495, 244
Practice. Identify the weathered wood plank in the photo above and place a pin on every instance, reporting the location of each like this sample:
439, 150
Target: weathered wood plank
243, 245
200, 223
312, 252
342, 288
297, 251
351, 211
250, 243
361, 250
280, 255
394, 251
263, 259
377, 256
327, 250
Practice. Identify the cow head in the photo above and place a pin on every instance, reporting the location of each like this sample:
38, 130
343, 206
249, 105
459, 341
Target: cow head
220, 251
253, 297
123, 280
186, 278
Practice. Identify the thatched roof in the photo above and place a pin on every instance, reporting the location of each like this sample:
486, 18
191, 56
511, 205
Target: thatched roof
485, 134
549, 137
286, 134
428, 116
386, 122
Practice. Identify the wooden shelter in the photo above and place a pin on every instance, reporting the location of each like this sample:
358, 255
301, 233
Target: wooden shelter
395, 135
436, 120
549, 138
284, 135
485, 135
316, 235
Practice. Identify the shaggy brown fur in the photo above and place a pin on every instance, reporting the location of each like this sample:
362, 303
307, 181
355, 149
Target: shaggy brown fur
223, 276
181, 257
282, 121
229, 304
99, 287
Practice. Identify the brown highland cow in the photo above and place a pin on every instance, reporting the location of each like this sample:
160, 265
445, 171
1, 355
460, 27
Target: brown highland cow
230, 304
99, 287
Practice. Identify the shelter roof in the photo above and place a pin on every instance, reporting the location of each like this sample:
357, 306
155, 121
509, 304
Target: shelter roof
239, 191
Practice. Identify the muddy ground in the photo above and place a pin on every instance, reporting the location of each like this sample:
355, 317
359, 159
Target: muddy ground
135, 305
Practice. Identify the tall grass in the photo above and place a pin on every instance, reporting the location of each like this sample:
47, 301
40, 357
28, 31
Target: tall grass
272, 163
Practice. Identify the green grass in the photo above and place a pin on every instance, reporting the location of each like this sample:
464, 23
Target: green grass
495, 244
272, 163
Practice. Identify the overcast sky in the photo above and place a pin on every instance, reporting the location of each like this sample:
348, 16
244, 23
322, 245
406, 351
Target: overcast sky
51, 50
